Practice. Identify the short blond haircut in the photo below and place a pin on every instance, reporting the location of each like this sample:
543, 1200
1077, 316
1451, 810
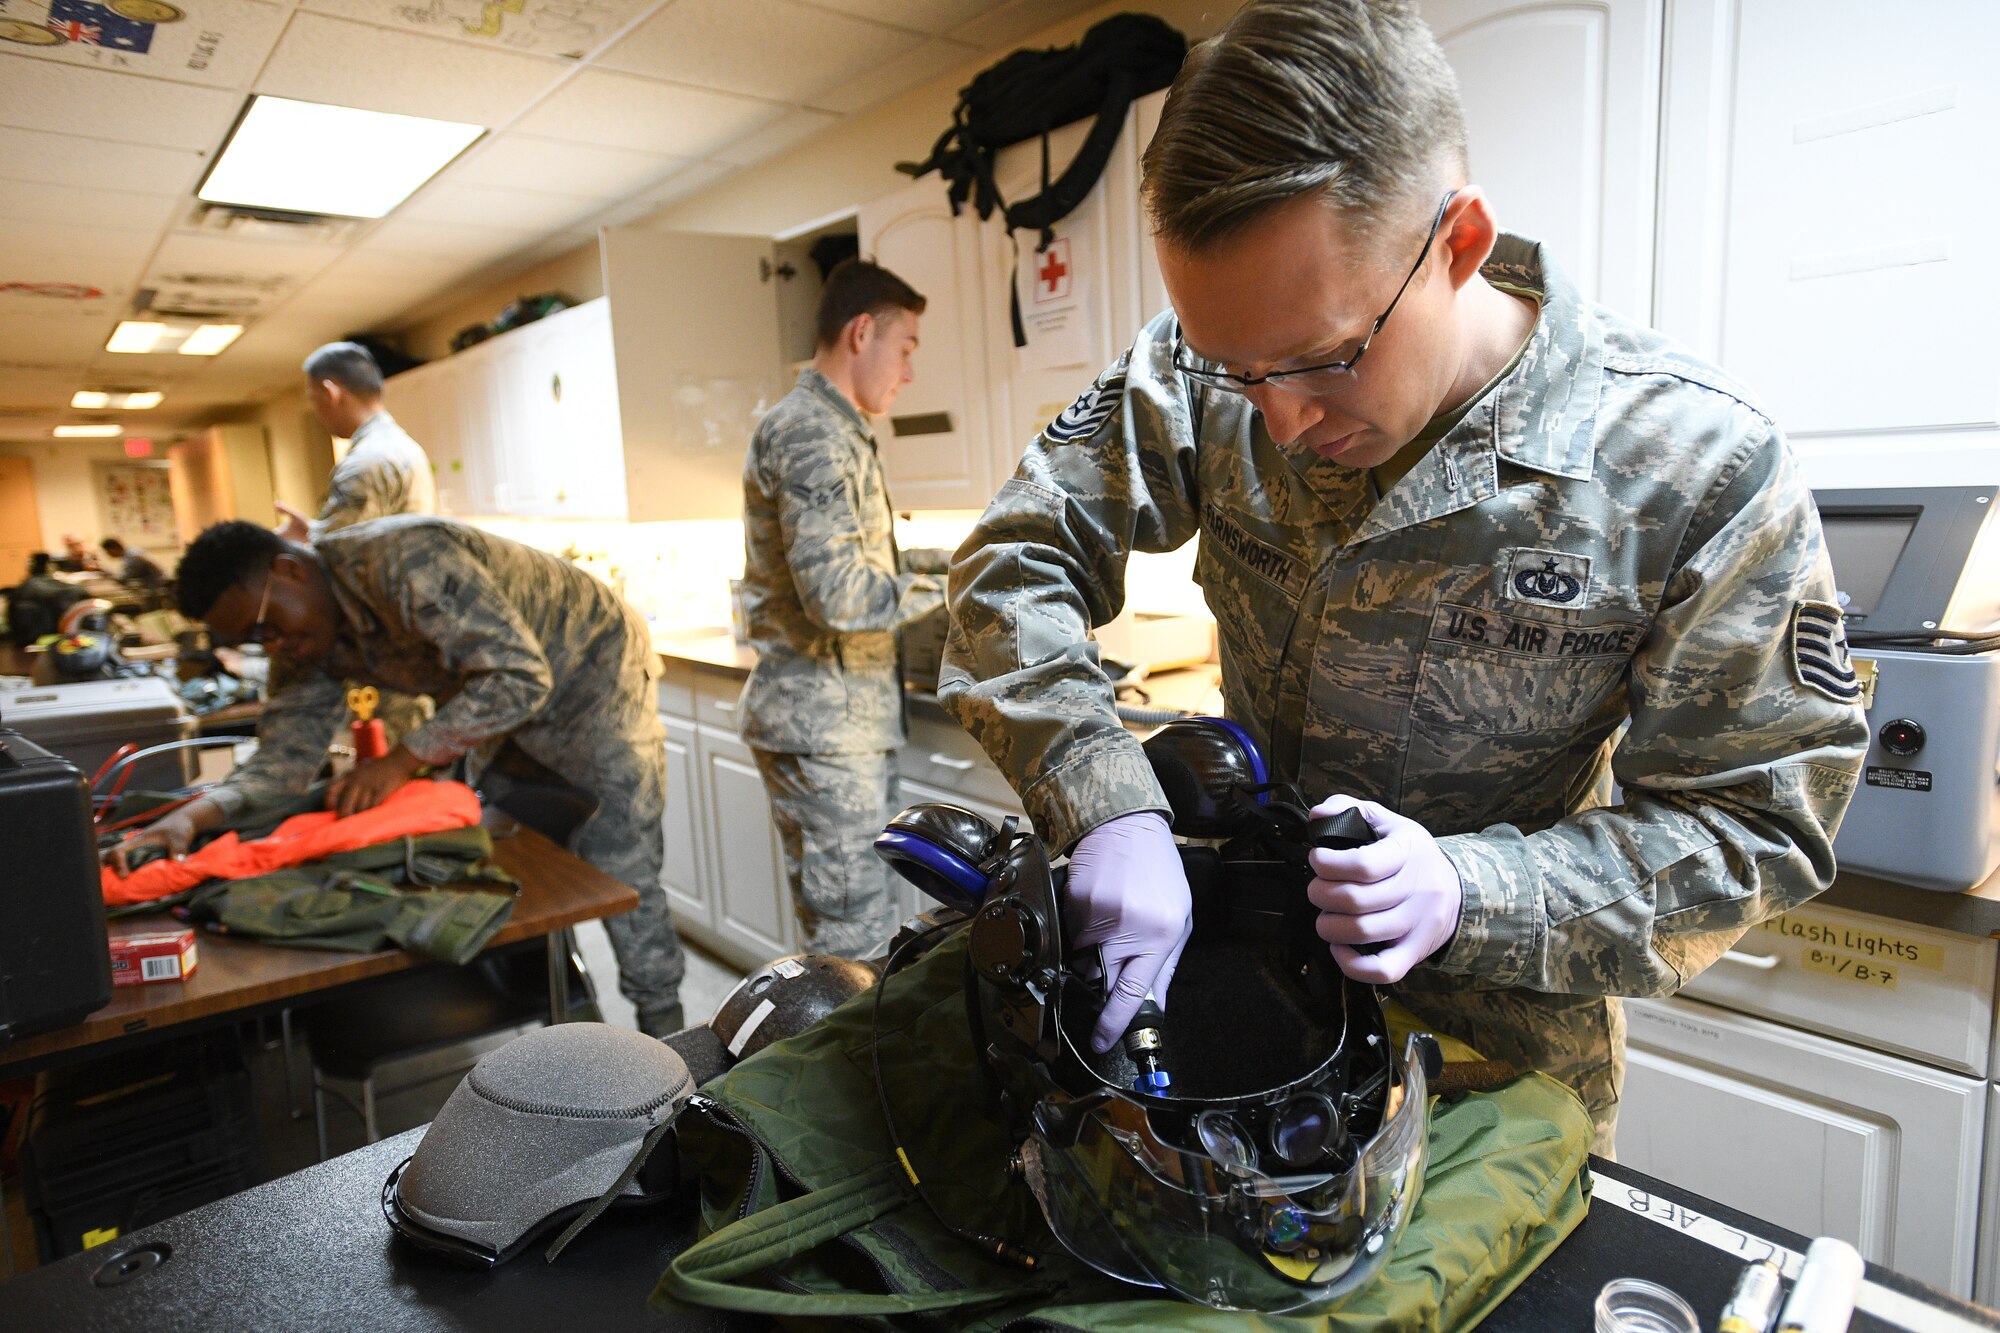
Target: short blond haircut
1348, 99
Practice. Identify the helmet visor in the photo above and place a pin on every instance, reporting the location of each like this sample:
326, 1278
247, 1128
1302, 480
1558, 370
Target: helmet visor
1211, 1220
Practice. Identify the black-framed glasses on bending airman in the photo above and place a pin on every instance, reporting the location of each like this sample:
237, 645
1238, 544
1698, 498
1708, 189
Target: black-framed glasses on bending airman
261, 632
1327, 377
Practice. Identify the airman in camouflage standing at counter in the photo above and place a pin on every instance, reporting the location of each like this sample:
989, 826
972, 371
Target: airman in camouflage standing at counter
1521, 550
824, 591
383, 472
542, 673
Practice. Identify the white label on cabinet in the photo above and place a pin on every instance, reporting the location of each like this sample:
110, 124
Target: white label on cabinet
1878, 945
1677, 1022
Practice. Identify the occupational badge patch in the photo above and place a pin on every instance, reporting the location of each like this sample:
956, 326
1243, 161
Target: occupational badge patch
1547, 578
1819, 652
1092, 408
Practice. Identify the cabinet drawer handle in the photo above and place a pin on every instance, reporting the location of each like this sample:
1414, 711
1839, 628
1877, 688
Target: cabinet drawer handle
955, 765
1763, 962
722, 707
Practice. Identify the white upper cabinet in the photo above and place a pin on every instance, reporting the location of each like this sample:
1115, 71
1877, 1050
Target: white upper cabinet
1562, 127
638, 405
1078, 297
694, 324
1826, 184
935, 444
1152, 290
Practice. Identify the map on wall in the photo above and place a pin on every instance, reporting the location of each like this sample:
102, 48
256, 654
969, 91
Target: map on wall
218, 42
138, 503
568, 28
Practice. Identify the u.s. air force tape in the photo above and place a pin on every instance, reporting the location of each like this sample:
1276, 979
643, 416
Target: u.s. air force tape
1092, 408
1819, 652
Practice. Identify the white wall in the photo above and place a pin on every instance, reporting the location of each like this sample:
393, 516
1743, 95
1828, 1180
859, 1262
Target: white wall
855, 161
65, 487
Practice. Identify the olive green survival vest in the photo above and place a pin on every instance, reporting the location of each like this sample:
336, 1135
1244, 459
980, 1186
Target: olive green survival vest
808, 1217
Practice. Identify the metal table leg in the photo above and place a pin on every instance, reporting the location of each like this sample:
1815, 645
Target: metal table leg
558, 952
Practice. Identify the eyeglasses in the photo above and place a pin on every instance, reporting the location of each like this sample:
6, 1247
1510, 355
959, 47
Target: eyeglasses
1327, 377
261, 632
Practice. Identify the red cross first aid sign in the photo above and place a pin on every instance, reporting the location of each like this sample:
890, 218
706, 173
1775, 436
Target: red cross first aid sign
1053, 272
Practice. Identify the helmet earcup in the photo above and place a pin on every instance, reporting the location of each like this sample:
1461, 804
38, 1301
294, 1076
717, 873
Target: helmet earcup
941, 849
1203, 764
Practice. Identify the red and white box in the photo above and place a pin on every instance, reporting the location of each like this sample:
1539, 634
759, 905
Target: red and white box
160, 955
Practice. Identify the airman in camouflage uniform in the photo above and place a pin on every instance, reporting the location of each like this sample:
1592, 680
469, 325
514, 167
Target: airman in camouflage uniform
824, 591
1613, 534
383, 472
520, 648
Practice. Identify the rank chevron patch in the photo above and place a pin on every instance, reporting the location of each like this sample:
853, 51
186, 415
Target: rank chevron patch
1819, 651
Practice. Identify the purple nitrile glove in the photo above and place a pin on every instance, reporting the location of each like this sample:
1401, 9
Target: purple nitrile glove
1128, 896
1399, 893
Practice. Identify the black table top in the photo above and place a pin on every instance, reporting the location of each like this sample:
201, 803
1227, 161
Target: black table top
311, 1251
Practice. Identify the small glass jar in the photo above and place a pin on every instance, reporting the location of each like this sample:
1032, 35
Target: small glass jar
1634, 1305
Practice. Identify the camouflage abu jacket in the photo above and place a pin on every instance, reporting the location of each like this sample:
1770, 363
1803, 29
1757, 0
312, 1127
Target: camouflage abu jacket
508, 640
383, 472
822, 583
1614, 532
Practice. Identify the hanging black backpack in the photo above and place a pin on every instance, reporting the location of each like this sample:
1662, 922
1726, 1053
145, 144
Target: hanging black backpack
1032, 92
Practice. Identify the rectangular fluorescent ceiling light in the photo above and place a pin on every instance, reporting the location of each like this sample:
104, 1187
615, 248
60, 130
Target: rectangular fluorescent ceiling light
210, 339
303, 157
140, 335
120, 399
95, 429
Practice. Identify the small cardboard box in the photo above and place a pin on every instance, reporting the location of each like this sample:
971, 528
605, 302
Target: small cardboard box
161, 955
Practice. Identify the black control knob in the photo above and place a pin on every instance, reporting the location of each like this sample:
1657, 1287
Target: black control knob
1902, 737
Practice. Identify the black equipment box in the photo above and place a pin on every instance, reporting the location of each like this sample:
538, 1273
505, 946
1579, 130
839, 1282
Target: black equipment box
55, 956
122, 1143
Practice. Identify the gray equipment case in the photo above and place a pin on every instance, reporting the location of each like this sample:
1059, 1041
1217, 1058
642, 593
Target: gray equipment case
85, 722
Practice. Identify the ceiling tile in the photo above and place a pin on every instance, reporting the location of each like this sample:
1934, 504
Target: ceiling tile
516, 209
185, 254
42, 95
412, 236
90, 251
65, 159
53, 338
796, 127
767, 48
521, 161
932, 16
626, 112
223, 47
928, 61
697, 177
567, 28
352, 64
1003, 27
65, 204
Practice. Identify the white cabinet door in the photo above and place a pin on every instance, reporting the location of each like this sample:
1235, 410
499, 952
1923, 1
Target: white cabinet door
694, 322
1152, 291
1562, 114
1815, 1135
753, 908
935, 443
478, 441
684, 873
1079, 298
1986, 1279
424, 402
583, 444
1820, 236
